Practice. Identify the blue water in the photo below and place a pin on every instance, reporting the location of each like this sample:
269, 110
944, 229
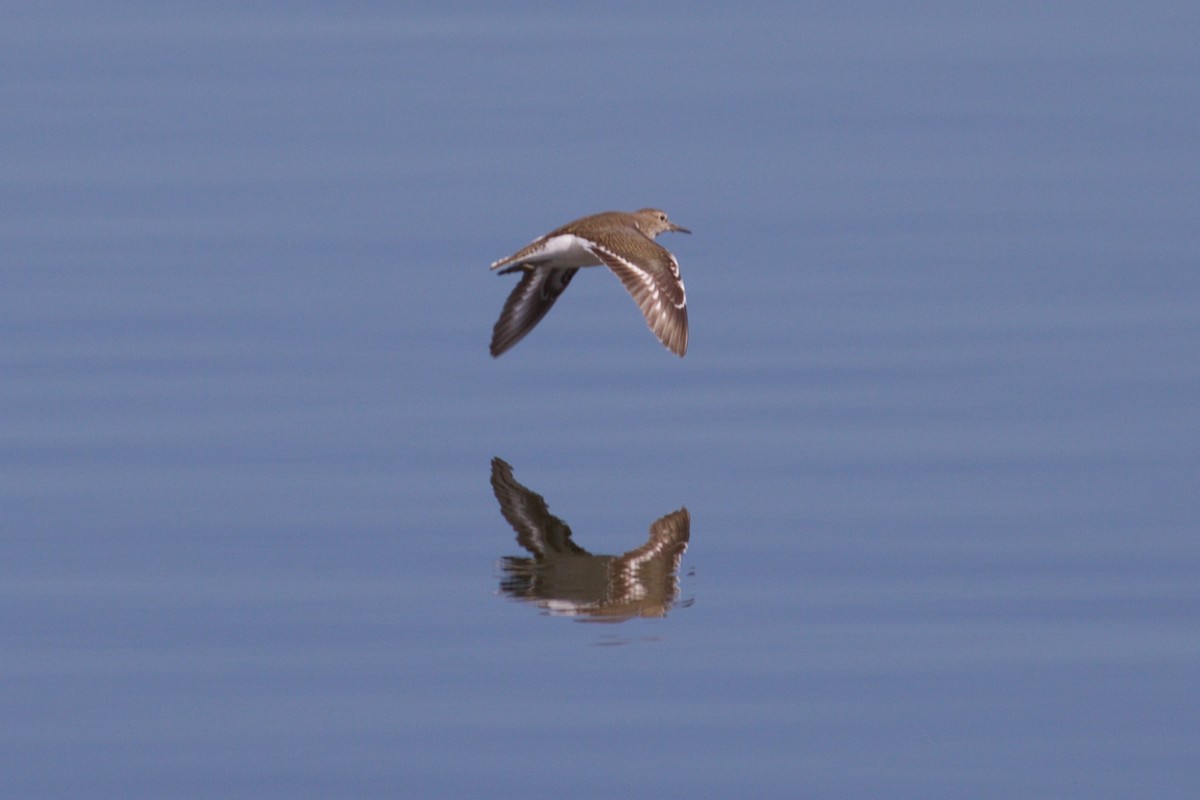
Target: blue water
937, 431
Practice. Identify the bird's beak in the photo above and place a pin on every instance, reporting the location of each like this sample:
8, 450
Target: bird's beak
678, 228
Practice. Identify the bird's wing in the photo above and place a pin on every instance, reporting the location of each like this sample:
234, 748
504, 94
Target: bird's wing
654, 283
527, 304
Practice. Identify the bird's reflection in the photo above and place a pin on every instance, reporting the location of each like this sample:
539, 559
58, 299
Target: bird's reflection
565, 579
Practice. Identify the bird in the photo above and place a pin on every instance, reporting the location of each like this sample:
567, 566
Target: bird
624, 242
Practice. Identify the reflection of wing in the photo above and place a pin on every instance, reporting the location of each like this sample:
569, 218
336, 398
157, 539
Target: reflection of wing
668, 538
649, 570
538, 531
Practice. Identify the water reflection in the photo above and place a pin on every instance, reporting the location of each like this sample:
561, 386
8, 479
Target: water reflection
565, 579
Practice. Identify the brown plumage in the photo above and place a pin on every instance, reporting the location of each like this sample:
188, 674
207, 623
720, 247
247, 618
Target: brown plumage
622, 241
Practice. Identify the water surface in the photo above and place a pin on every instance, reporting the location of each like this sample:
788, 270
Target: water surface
936, 433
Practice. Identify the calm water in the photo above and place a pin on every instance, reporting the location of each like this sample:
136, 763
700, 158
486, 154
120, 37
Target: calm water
937, 435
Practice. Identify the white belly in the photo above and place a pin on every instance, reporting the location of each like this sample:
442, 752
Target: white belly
563, 251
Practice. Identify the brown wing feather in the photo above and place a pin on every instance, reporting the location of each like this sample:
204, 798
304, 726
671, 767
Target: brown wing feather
656, 287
